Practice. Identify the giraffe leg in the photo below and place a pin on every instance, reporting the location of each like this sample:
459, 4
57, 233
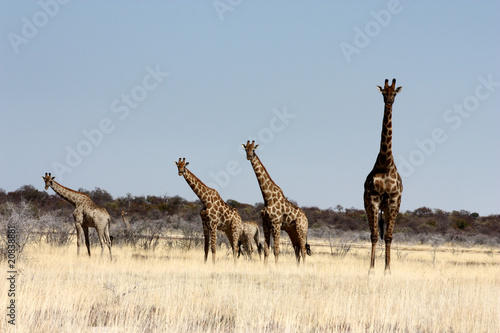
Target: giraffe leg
391, 214
87, 239
236, 231
292, 233
79, 235
107, 238
100, 233
78, 216
276, 240
267, 241
259, 249
233, 240
249, 249
301, 237
213, 241
206, 235
372, 204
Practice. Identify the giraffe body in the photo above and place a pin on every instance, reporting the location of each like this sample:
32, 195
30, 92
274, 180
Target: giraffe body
383, 185
87, 215
215, 215
278, 213
250, 232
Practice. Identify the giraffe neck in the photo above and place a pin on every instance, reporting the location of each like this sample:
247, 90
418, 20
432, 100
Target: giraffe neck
385, 158
267, 186
205, 193
69, 195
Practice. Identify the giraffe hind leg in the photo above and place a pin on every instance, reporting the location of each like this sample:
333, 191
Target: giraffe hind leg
87, 238
108, 239
213, 242
267, 243
276, 240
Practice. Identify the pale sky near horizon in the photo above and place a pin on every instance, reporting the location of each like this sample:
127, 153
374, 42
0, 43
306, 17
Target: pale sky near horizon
109, 94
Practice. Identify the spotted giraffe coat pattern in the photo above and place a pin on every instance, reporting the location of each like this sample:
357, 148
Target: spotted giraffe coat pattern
278, 213
215, 215
87, 215
383, 185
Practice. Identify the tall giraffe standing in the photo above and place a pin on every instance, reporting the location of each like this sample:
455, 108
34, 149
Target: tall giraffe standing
383, 185
216, 214
86, 214
278, 213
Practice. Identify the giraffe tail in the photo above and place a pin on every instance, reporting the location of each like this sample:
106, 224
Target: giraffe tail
308, 249
381, 225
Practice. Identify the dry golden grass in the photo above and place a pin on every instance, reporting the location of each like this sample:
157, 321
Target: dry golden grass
173, 291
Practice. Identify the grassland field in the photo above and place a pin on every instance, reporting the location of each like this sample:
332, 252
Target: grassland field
445, 289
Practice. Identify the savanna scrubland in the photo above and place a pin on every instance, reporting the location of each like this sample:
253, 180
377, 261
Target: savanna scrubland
445, 272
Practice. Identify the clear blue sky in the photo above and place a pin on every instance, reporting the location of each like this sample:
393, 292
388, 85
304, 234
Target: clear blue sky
109, 94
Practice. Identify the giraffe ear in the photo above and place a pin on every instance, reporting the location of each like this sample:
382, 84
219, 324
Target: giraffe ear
379, 88
255, 147
186, 164
243, 145
398, 90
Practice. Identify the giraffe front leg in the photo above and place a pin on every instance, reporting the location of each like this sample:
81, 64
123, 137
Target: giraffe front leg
79, 235
78, 217
391, 214
372, 204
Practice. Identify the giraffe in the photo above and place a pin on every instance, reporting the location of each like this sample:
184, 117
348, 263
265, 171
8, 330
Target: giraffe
383, 185
278, 213
250, 231
216, 214
128, 233
86, 214
125, 222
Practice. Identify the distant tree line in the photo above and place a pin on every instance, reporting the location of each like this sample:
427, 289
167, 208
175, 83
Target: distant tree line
152, 215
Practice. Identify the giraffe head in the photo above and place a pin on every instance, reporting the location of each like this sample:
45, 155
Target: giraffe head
250, 149
181, 166
389, 91
124, 213
48, 180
